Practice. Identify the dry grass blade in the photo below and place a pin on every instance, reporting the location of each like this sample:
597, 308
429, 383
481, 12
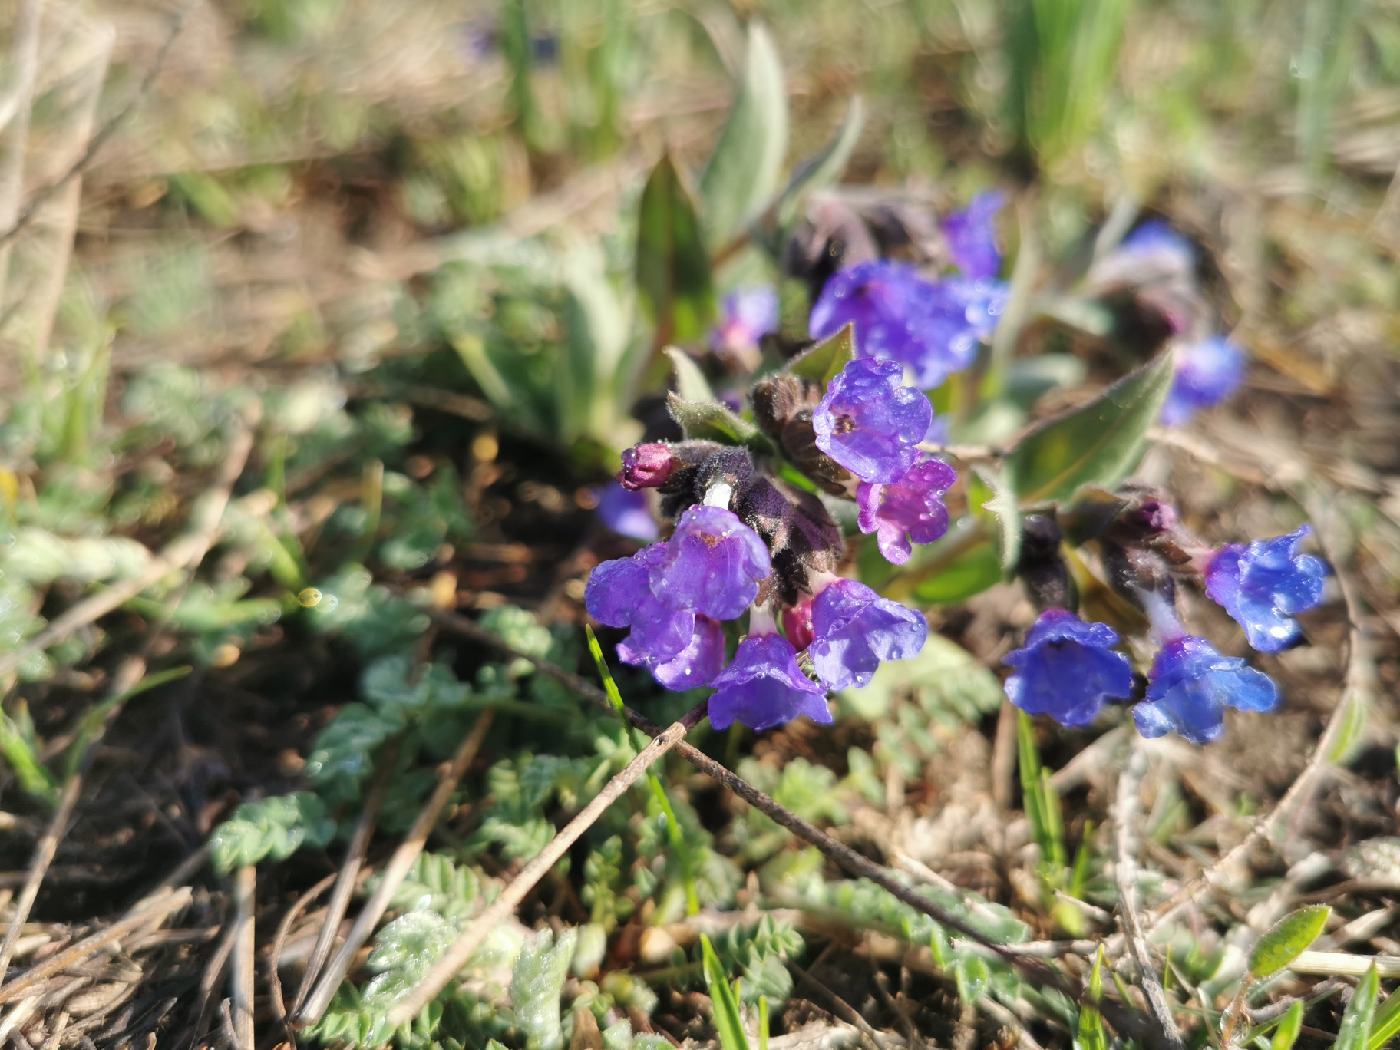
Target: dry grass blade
126, 677
320, 996
470, 939
241, 982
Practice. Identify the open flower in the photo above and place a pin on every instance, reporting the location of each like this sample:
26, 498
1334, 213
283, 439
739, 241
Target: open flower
952, 321
746, 316
1206, 374
880, 298
1068, 669
1264, 584
764, 687
693, 666
1191, 684
909, 510
972, 235
626, 512
854, 629
870, 422
619, 594
712, 564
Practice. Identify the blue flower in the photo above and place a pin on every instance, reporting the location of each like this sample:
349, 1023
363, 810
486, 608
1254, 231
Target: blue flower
870, 422
972, 235
1068, 669
712, 564
746, 316
626, 513
854, 629
764, 687
1155, 236
908, 510
1206, 374
1191, 684
1264, 585
695, 665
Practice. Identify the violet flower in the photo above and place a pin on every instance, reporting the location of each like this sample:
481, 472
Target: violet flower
972, 235
626, 513
746, 316
870, 422
764, 687
854, 629
712, 564
909, 510
693, 666
1206, 374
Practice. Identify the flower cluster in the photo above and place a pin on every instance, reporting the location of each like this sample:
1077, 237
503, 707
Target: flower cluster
1069, 669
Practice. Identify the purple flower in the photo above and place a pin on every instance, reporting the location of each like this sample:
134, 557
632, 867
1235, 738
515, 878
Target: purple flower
854, 629
1206, 374
746, 316
1191, 684
619, 594
1068, 669
648, 465
909, 510
870, 422
932, 328
1156, 237
972, 235
693, 666
712, 564
1264, 585
626, 513
764, 687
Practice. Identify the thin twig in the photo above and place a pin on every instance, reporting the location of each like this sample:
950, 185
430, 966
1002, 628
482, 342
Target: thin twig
461, 950
1126, 818
26, 66
183, 552
126, 677
848, 1013
241, 977
1126, 1019
94, 146
279, 943
319, 997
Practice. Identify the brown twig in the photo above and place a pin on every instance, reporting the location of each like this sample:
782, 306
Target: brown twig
1126, 818
279, 944
319, 997
241, 977
1125, 1018
464, 947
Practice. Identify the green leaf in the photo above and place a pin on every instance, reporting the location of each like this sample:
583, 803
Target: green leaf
536, 985
971, 571
822, 362
711, 421
1287, 939
990, 495
1386, 1025
1289, 1025
1090, 1034
825, 166
271, 828
1042, 801
1354, 1033
743, 171
1096, 444
691, 384
724, 1003
672, 265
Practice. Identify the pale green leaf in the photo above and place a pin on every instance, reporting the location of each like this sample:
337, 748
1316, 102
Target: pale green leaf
1287, 939
672, 264
1354, 1033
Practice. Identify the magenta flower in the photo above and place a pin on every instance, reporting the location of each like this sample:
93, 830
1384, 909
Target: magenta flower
854, 629
712, 564
1191, 684
694, 666
1265, 584
764, 687
972, 235
648, 465
1206, 374
1068, 669
870, 422
907, 511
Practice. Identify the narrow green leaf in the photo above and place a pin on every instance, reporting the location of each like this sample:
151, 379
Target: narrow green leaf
825, 166
990, 495
1041, 800
725, 1004
691, 384
1287, 939
1090, 1034
743, 171
672, 264
822, 362
1386, 1025
1351, 728
1096, 444
1354, 1032
1289, 1025
711, 421
971, 572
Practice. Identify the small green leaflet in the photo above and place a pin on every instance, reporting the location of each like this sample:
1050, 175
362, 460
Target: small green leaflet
727, 1020
1096, 444
823, 362
1355, 1030
691, 384
1090, 1035
1289, 1025
711, 421
1287, 939
990, 495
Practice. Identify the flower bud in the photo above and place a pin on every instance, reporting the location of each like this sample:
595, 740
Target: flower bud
647, 466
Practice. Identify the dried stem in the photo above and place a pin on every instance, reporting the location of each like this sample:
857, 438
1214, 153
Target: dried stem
241, 977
